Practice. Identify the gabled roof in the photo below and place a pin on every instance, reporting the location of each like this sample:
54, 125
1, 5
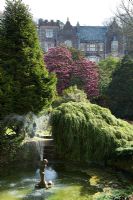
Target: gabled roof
90, 33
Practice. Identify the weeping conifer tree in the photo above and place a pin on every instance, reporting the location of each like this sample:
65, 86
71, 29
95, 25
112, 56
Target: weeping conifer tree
87, 132
30, 87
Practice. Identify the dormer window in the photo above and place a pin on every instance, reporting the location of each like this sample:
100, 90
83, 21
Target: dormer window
47, 46
49, 33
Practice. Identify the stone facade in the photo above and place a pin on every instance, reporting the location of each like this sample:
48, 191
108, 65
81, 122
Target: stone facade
48, 33
96, 42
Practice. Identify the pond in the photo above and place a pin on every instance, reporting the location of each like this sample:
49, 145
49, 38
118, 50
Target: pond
70, 183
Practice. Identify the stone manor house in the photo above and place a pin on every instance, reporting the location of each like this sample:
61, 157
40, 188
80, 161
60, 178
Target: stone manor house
97, 42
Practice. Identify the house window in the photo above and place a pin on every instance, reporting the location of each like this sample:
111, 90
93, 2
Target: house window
82, 46
41, 33
114, 46
49, 33
48, 45
68, 43
94, 58
91, 47
101, 46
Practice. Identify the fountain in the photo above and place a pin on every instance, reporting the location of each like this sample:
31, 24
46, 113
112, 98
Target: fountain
33, 128
43, 183
40, 147
37, 125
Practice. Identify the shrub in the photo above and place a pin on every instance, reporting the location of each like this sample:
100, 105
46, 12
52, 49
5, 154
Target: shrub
71, 69
59, 61
85, 131
71, 94
86, 76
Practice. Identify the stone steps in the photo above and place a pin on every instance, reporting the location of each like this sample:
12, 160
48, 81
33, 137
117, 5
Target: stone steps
49, 149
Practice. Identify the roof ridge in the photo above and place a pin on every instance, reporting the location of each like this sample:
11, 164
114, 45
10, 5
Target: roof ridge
93, 26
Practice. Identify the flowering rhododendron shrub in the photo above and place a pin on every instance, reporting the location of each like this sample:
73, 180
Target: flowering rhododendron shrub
80, 72
88, 75
59, 60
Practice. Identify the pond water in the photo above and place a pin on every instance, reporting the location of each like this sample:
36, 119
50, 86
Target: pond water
70, 183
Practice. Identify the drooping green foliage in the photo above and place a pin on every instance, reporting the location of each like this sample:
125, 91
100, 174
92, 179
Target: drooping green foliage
85, 131
120, 91
106, 69
30, 86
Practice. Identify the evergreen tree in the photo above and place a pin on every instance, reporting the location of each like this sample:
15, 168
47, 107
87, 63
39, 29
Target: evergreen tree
106, 69
5, 93
120, 90
30, 86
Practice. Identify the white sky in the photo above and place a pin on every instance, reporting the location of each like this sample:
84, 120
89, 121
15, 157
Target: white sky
87, 12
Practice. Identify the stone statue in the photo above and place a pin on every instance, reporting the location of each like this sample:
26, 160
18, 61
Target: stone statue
43, 183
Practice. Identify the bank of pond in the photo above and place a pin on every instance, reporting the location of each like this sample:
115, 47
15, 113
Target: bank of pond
70, 182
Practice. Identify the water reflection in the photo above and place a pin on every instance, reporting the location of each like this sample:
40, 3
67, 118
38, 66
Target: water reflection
69, 184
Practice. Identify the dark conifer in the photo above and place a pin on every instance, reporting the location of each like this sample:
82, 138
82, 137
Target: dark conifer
30, 86
120, 90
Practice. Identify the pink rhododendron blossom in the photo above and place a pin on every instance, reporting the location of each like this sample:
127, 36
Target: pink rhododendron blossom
59, 60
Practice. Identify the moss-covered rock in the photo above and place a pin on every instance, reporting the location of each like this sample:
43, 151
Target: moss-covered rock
123, 159
85, 131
